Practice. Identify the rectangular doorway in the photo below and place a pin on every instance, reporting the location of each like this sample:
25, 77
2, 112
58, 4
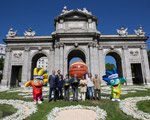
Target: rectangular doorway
137, 76
16, 73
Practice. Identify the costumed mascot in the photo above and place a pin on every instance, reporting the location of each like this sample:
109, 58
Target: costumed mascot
115, 82
37, 83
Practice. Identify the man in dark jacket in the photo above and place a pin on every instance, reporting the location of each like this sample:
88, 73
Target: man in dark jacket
52, 88
75, 84
60, 85
57, 77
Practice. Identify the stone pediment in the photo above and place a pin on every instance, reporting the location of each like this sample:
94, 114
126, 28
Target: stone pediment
75, 15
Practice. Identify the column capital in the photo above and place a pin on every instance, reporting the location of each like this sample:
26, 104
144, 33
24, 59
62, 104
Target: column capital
51, 48
143, 47
95, 44
100, 47
124, 47
90, 44
56, 45
61, 44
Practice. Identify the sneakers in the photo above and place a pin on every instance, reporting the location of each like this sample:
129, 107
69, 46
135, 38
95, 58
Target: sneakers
34, 101
39, 101
117, 99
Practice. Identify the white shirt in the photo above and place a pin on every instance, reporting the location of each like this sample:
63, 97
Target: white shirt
89, 82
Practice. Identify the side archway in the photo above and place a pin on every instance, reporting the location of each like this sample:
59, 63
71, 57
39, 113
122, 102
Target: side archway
34, 60
118, 61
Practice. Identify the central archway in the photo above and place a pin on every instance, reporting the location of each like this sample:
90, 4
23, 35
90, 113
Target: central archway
78, 54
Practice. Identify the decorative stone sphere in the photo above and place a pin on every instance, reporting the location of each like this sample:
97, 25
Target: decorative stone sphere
79, 68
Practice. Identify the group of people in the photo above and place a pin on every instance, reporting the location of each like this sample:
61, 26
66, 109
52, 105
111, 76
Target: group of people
89, 87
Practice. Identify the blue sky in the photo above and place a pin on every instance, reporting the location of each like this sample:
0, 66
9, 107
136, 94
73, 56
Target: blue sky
40, 14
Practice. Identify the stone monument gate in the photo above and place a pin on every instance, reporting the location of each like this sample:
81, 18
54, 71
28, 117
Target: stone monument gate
76, 35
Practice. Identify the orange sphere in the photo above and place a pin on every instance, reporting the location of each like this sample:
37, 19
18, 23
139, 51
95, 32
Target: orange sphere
79, 68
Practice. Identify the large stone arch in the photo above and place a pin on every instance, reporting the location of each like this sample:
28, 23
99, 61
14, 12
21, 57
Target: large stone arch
33, 60
119, 60
33, 53
71, 49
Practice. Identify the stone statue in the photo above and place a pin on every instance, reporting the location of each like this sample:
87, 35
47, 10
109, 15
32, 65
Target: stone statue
11, 33
30, 33
139, 32
84, 11
122, 32
65, 9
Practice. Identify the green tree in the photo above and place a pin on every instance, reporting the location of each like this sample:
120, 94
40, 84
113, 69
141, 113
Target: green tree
109, 66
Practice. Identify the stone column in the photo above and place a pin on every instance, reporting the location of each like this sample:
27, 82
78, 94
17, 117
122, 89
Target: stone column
96, 59
127, 66
61, 58
88, 58
57, 54
101, 64
145, 64
65, 61
51, 58
5, 81
25, 69
91, 58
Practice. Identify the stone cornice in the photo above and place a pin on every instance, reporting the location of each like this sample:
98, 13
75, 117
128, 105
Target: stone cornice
118, 38
36, 39
81, 34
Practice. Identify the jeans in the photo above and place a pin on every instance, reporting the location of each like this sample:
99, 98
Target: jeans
91, 91
66, 91
50, 93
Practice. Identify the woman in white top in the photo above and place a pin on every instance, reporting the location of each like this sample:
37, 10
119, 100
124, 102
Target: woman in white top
83, 88
90, 85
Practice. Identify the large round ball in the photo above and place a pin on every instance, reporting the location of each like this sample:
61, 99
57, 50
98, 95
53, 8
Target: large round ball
79, 68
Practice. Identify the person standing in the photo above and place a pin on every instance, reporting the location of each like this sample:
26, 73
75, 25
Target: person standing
75, 84
97, 82
60, 85
52, 85
86, 76
90, 85
66, 88
57, 77
83, 88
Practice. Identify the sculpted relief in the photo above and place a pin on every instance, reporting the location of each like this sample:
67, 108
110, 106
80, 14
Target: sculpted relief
17, 55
